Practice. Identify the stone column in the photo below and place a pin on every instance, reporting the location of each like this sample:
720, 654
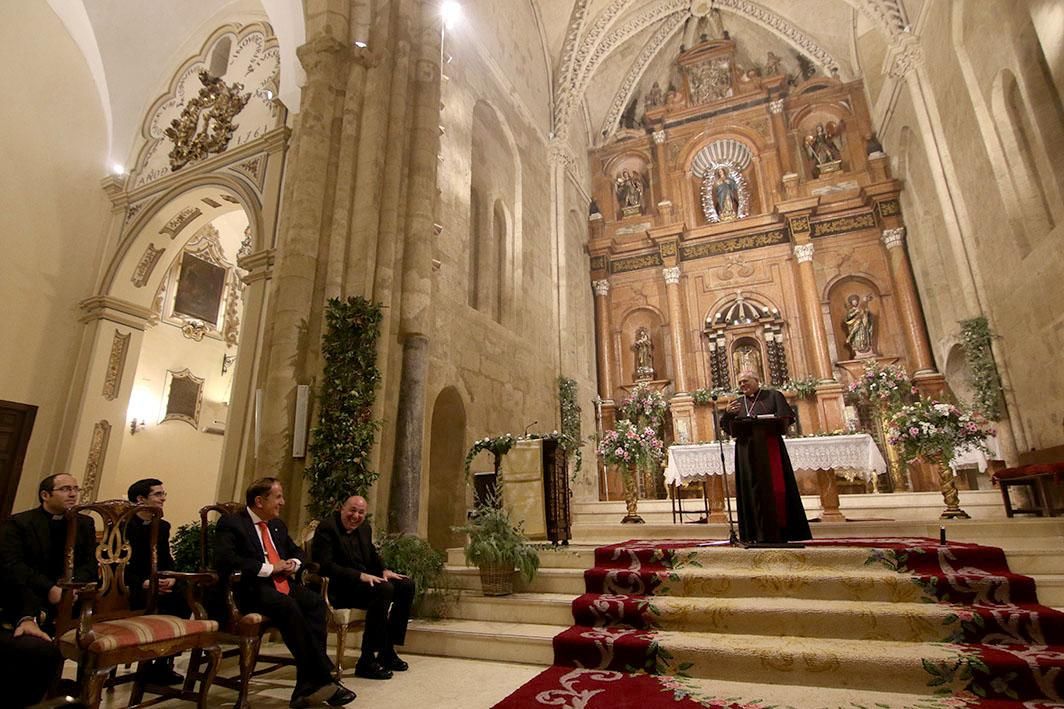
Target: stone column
912, 316
677, 325
602, 338
415, 319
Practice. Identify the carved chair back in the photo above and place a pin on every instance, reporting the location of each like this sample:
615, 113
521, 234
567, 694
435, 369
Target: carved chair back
113, 553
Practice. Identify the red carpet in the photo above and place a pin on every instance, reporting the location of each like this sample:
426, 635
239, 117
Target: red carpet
666, 623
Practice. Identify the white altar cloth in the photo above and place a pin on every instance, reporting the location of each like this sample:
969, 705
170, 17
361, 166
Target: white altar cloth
973, 456
854, 455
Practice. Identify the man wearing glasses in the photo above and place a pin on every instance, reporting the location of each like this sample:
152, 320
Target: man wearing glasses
170, 599
31, 545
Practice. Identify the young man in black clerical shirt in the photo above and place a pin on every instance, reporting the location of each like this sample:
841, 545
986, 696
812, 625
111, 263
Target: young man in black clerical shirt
171, 598
343, 548
32, 545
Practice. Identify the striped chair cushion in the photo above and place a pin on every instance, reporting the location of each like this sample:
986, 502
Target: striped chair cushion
141, 630
346, 616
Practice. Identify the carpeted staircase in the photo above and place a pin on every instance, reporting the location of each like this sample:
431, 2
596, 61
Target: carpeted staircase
847, 622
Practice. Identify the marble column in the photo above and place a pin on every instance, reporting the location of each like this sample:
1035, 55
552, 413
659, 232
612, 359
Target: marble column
818, 352
415, 320
602, 338
677, 326
908, 301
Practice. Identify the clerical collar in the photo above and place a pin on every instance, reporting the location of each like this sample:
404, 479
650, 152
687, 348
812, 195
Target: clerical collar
50, 515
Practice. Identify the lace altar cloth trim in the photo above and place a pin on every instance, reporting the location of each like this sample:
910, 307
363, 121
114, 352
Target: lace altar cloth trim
852, 456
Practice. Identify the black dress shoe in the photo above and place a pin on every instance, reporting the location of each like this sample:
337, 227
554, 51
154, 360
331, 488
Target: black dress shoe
394, 663
340, 697
163, 675
317, 696
372, 670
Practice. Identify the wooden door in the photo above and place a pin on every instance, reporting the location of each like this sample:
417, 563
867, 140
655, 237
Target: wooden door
16, 423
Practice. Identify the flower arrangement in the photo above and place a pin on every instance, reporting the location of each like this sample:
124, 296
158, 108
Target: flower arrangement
934, 431
499, 446
885, 388
644, 405
804, 388
628, 445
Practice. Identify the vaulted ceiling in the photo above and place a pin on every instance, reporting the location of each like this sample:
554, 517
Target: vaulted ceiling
600, 54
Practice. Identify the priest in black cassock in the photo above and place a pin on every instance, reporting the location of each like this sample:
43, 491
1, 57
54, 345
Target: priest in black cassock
770, 508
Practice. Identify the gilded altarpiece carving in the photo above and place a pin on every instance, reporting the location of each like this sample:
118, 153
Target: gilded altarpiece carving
90, 481
792, 326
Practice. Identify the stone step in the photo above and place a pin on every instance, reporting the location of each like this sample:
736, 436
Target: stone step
529, 643
1050, 590
547, 580
539, 608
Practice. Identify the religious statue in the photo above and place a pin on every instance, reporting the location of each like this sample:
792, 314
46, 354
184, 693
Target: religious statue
655, 97
725, 195
747, 358
644, 355
772, 64
593, 208
630, 189
872, 145
824, 148
858, 324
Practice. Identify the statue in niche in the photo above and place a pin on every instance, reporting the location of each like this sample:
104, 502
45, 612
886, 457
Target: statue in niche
824, 148
747, 358
644, 355
725, 195
630, 189
859, 326
655, 97
593, 208
628, 119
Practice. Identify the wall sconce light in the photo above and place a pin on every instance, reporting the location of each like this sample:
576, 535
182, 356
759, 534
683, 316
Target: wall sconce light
135, 425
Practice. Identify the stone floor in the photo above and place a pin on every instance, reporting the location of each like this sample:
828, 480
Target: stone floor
430, 683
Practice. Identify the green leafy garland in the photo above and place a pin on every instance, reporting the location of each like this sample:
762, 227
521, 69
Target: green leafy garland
704, 397
343, 439
571, 438
976, 341
499, 446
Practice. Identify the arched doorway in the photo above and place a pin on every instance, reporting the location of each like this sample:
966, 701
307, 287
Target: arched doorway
447, 486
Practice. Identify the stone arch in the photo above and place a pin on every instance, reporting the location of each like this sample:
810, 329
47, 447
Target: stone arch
446, 483
1028, 198
495, 268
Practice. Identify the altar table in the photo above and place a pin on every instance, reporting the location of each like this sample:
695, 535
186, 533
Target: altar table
854, 455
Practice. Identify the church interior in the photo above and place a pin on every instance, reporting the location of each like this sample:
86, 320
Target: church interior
568, 215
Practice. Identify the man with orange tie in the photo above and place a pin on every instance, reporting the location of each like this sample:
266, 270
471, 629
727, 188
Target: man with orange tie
256, 543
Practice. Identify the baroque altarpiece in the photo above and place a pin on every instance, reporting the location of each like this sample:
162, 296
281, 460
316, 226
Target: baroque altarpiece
749, 220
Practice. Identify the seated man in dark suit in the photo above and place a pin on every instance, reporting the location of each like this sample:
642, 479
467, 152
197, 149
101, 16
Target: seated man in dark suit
32, 542
256, 543
171, 598
29, 661
343, 547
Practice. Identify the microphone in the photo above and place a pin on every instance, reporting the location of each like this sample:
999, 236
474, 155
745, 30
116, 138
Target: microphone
714, 396
530, 426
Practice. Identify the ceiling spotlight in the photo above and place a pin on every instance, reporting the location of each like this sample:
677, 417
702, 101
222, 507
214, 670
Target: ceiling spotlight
117, 169
360, 44
451, 12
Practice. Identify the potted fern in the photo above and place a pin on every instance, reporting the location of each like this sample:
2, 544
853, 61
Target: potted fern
497, 547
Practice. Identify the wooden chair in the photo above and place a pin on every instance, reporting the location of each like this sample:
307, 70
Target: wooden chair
99, 631
341, 620
1039, 479
242, 630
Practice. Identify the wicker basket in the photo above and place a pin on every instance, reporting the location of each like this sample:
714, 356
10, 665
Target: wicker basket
497, 579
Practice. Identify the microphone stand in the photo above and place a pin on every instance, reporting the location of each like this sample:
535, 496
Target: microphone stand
733, 538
